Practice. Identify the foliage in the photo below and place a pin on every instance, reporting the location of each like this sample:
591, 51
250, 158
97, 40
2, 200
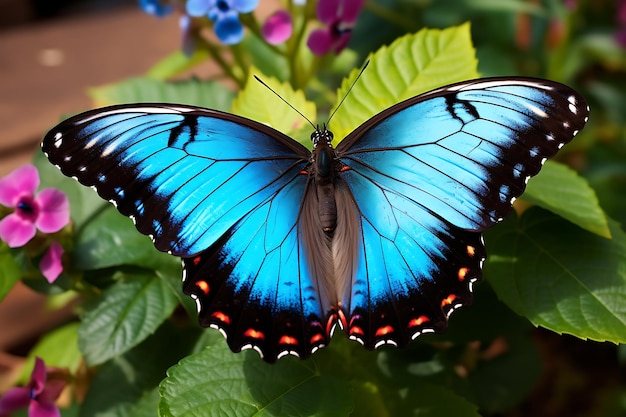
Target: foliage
557, 263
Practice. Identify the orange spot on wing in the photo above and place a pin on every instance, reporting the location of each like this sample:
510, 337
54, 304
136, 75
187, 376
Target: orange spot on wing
196, 260
288, 340
221, 317
356, 330
471, 251
418, 321
316, 338
448, 300
204, 286
382, 331
462, 273
345, 168
255, 334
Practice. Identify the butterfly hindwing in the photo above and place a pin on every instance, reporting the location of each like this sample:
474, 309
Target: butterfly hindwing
414, 267
427, 176
255, 285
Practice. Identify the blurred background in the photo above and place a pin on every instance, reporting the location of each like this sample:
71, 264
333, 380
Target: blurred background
51, 52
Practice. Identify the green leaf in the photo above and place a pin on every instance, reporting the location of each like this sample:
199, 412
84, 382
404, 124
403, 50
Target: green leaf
488, 383
191, 92
176, 63
434, 400
560, 276
411, 65
258, 103
217, 382
127, 385
126, 313
10, 271
58, 348
561, 190
111, 239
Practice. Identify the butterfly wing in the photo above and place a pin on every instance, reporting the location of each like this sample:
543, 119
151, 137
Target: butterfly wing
220, 191
255, 285
428, 175
175, 169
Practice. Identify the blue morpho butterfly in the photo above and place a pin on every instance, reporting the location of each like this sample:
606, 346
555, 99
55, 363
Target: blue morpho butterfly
279, 244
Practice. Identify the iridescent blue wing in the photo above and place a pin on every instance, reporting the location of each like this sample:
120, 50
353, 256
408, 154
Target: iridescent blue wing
184, 175
255, 283
428, 175
220, 191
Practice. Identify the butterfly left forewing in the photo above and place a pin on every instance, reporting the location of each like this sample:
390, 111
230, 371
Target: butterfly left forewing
174, 169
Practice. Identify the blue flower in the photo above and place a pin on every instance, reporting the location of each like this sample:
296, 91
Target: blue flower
225, 14
155, 7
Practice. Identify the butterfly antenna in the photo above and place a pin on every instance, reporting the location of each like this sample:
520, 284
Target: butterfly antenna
348, 92
286, 102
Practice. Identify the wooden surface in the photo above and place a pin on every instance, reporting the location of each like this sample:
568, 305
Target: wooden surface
45, 70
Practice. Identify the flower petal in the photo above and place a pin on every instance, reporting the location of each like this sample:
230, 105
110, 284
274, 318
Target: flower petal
155, 7
320, 41
51, 265
53, 390
14, 399
245, 6
277, 28
43, 409
341, 42
54, 210
16, 231
38, 377
23, 180
228, 29
198, 8
328, 10
350, 10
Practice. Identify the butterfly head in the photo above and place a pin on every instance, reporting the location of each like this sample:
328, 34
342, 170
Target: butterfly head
322, 135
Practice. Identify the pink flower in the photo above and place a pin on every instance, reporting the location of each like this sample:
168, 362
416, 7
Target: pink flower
277, 28
340, 17
51, 265
39, 395
47, 211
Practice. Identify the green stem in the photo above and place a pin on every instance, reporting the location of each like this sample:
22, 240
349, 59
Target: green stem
297, 79
217, 56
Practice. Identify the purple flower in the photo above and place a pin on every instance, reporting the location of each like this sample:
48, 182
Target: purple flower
155, 7
225, 14
47, 211
277, 28
39, 395
340, 17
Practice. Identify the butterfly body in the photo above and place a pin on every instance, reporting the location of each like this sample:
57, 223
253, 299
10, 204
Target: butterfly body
380, 235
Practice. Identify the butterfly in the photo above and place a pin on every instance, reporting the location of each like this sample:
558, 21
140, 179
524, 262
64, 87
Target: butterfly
380, 235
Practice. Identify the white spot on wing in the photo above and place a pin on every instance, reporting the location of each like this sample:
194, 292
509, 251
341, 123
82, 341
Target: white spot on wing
58, 140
